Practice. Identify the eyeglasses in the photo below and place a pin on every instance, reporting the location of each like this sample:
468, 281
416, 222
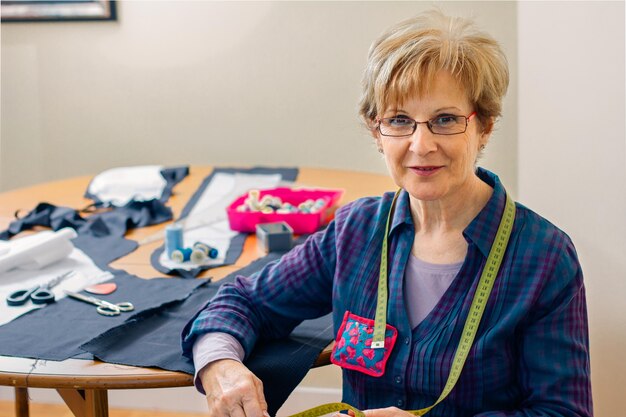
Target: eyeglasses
445, 124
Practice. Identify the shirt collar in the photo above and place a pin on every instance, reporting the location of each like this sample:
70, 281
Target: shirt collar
402, 213
482, 229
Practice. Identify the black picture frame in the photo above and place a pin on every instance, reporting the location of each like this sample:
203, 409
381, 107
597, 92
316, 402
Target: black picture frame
57, 10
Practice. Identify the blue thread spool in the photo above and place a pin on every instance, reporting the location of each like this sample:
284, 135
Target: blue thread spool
173, 239
209, 251
181, 255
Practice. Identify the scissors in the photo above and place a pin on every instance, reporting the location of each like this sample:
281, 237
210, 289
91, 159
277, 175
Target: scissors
104, 307
39, 294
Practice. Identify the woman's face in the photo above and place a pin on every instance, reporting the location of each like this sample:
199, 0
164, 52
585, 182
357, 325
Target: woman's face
429, 166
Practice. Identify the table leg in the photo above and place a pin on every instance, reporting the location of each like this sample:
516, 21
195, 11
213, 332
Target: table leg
86, 403
97, 403
21, 402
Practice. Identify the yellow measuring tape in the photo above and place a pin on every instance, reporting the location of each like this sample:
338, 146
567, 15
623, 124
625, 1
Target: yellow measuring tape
483, 290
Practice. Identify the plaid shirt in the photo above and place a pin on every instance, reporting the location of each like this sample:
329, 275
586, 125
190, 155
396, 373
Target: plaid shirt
531, 353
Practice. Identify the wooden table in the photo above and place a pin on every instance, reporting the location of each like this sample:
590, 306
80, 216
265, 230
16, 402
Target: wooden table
83, 384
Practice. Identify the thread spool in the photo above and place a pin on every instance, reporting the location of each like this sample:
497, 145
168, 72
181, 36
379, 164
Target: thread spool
181, 255
173, 239
198, 257
209, 251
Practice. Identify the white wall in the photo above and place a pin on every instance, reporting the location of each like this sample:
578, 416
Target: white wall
572, 160
197, 82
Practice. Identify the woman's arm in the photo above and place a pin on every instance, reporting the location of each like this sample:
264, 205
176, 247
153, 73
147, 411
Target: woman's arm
268, 304
272, 302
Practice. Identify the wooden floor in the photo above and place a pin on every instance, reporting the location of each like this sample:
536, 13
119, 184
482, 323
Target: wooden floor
7, 409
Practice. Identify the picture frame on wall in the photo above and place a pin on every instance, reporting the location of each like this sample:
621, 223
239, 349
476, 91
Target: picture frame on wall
57, 10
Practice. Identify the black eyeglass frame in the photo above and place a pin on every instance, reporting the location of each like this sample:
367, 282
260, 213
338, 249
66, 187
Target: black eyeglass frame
428, 124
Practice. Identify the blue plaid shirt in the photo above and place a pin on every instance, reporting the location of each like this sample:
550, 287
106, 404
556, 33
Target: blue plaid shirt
531, 353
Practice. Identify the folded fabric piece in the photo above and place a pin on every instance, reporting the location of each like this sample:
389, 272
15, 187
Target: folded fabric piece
37, 250
118, 186
57, 331
280, 364
114, 222
204, 216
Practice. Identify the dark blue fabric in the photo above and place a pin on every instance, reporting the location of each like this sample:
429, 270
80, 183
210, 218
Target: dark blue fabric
101, 234
280, 364
56, 331
172, 177
48, 215
104, 250
109, 222
236, 244
113, 222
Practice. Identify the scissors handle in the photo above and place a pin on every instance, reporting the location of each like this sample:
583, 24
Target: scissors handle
125, 306
42, 296
108, 310
39, 294
18, 298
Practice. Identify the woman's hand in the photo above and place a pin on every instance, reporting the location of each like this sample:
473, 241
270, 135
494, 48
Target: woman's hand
232, 390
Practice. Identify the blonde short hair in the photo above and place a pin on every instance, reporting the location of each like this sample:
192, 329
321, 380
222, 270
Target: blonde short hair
405, 59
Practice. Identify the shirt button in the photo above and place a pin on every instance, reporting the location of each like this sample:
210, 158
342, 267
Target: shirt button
398, 379
400, 403
407, 340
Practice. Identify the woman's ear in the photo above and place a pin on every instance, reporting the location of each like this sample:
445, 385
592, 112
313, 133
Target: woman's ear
373, 128
379, 143
488, 126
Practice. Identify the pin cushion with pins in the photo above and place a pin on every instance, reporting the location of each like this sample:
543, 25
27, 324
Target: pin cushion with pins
304, 210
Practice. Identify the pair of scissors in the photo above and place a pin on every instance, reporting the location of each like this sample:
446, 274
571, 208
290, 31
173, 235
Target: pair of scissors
39, 294
103, 307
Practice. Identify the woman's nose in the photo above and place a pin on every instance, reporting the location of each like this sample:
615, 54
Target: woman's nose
422, 140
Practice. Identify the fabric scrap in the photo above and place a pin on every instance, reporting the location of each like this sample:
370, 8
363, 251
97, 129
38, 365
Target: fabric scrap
57, 331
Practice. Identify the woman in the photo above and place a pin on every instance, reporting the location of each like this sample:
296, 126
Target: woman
432, 90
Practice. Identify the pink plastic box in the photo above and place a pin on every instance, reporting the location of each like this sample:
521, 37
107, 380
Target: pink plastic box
299, 222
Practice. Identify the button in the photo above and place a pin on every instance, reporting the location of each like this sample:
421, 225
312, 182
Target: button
407, 340
398, 379
400, 403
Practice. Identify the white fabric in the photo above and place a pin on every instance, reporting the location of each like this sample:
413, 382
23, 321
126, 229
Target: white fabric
36, 251
208, 223
118, 186
86, 273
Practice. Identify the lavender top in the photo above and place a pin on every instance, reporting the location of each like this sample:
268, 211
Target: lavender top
425, 283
